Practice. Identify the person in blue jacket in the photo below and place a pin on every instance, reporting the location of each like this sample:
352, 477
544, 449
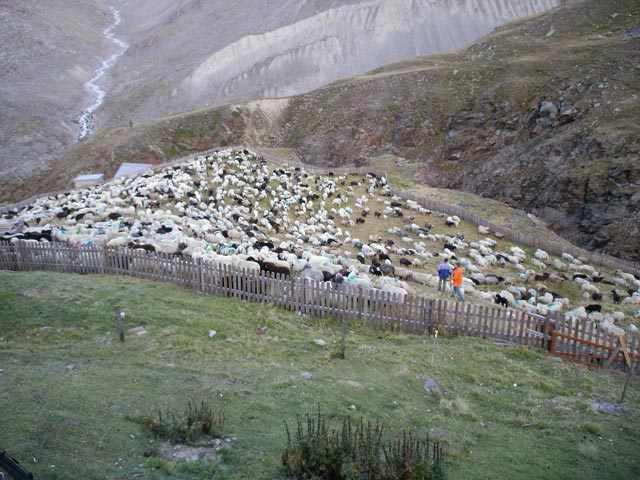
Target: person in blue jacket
444, 273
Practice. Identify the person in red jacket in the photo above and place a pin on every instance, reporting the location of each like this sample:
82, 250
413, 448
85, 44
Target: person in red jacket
456, 281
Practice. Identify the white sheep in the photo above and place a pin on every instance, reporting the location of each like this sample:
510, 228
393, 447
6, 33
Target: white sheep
542, 255
453, 220
509, 296
559, 265
627, 277
589, 288
608, 327
631, 300
539, 264
578, 313
393, 289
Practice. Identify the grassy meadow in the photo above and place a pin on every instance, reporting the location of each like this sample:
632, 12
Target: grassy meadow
72, 395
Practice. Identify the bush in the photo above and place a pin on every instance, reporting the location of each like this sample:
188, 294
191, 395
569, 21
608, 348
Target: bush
358, 453
197, 422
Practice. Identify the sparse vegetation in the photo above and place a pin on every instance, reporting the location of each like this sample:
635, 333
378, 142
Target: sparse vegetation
70, 389
197, 421
358, 452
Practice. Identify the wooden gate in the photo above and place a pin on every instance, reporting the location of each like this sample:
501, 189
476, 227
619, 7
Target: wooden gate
591, 353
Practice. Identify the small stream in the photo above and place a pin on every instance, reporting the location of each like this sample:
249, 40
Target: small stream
85, 121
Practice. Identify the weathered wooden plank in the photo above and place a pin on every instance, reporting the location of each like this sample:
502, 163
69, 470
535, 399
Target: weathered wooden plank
492, 330
511, 315
521, 328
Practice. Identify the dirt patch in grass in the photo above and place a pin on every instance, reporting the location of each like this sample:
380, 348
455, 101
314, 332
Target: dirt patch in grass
611, 408
207, 452
31, 293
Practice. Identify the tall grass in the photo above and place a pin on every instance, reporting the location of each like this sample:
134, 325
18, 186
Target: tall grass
363, 451
197, 422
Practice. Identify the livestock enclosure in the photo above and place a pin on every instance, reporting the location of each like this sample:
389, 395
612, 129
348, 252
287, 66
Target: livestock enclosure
371, 307
533, 241
429, 203
529, 240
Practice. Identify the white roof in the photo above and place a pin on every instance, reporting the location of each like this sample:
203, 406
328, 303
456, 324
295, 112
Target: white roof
131, 168
88, 177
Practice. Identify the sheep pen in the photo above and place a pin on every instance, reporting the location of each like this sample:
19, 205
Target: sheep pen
232, 207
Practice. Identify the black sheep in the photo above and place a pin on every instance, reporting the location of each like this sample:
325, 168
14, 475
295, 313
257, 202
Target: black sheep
274, 268
142, 246
616, 296
327, 275
594, 307
374, 269
500, 300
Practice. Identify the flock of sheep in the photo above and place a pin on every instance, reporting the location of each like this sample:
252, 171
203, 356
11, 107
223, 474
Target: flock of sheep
233, 208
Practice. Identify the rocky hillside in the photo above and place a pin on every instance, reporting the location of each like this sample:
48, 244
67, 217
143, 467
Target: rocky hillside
542, 114
198, 54
47, 51
68, 68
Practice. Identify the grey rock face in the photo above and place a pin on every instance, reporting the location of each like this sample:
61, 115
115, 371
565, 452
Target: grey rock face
282, 51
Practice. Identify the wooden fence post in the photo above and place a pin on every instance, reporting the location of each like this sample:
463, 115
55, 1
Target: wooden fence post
198, 265
343, 343
292, 284
119, 323
631, 371
548, 328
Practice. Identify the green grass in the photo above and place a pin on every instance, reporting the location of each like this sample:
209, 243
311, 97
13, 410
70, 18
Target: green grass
70, 391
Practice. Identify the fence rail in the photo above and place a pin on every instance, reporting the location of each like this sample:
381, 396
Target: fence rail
410, 314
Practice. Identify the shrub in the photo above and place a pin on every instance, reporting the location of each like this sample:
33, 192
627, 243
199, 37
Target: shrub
358, 453
197, 422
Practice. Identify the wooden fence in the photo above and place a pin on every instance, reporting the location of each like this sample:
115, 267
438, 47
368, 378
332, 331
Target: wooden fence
409, 314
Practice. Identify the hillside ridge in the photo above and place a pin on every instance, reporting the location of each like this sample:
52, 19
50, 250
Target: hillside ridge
541, 114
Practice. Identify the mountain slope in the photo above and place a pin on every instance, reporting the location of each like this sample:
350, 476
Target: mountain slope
542, 114
48, 51
178, 55
198, 54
